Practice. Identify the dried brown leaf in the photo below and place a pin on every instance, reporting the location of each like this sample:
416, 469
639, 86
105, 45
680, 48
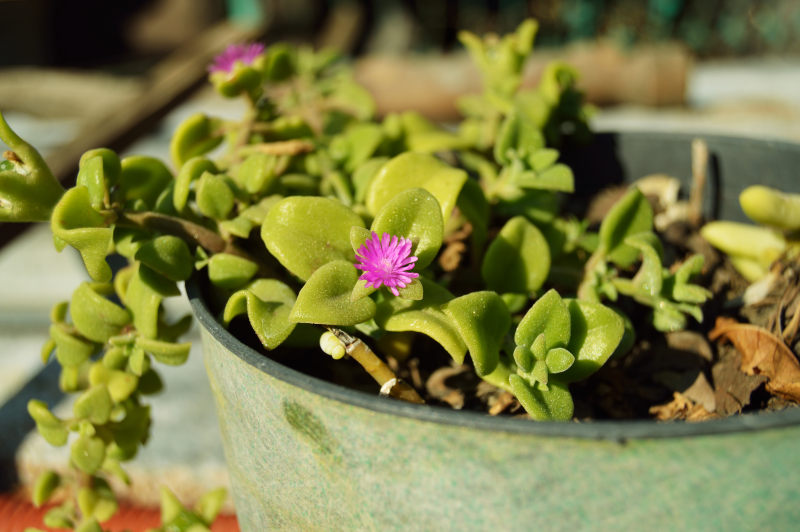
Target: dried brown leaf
681, 407
763, 353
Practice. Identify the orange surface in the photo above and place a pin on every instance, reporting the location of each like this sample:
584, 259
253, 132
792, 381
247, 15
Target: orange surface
17, 513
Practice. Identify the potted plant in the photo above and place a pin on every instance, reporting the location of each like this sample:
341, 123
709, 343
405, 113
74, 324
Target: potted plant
405, 247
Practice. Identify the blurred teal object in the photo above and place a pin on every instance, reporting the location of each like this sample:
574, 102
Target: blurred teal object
250, 12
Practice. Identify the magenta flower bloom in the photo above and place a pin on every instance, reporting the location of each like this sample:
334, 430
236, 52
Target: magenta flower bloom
246, 53
386, 260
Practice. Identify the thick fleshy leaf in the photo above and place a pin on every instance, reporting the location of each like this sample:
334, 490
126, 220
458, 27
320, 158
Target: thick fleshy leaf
557, 177
325, 298
172, 354
214, 196
95, 316
230, 271
268, 303
257, 173
49, 426
518, 137
551, 404
142, 178
596, 332
195, 136
88, 453
91, 175
143, 297
120, 383
362, 176
473, 205
76, 223
189, 172
416, 170
70, 349
483, 320
414, 214
649, 279
358, 143
630, 215
94, 404
45, 486
425, 317
167, 255
518, 259
549, 317
304, 233
28, 189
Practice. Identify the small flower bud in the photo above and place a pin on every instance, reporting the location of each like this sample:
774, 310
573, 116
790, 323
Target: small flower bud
331, 345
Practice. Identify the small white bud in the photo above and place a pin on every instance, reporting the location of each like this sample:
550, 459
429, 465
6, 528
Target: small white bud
331, 345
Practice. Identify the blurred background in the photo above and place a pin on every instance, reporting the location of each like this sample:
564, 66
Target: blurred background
78, 74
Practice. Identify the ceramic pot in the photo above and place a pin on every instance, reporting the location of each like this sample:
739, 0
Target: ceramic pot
307, 454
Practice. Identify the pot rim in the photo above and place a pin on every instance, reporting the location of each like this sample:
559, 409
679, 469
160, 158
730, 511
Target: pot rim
618, 431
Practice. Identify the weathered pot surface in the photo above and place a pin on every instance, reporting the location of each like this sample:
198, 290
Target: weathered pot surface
306, 454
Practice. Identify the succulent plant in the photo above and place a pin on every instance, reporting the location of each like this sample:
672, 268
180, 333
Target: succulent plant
324, 225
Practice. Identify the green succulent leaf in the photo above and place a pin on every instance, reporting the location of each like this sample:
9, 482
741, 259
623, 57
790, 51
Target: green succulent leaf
416, 170
518, 259
230, 271
88, 453
259, 171
172, 354
95, 316
649, 279
684, 291
596, 330
94, 404
91, 174
97, 501
49, 426
197, 135
71, 350
143, 296
190, 171
210, 504
325, 298
547, 320
553, 403
559, 360
46, 484
426, 317
630, 215
120, 383
214, 196
482, 320
142, 178
76, 223
167, 255
268, 304
28, 189
363, 175
518, 138
304, 233
414, 214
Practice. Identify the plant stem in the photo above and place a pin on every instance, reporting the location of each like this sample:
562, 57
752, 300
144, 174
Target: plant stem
499, 377
390, 384
699, 171
281, 147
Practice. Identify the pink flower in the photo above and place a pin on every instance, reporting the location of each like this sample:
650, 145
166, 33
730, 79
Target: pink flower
246, 53
386, 260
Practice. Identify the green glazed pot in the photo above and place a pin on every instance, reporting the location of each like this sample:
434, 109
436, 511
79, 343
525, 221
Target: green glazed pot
305, 454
